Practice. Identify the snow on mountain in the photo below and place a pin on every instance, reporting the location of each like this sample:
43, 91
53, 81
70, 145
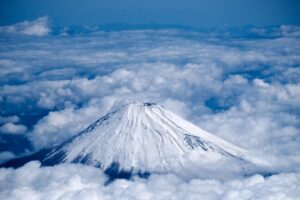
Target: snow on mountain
141, 137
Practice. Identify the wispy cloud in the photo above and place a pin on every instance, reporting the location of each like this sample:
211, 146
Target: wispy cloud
38, 27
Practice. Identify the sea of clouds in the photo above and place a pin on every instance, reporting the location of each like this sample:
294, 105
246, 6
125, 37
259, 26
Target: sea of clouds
242, 86
70, 181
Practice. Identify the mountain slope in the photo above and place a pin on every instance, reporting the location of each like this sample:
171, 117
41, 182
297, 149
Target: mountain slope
140, 137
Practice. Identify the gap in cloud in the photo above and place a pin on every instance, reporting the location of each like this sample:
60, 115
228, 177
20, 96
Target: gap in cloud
17, 144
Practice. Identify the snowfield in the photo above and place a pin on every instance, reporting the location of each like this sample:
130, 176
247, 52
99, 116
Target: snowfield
142, 137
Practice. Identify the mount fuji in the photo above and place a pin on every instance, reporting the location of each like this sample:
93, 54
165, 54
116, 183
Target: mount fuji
137, 138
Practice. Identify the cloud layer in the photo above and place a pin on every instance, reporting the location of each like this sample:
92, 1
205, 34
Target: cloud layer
69, 181
244, 90
242, 87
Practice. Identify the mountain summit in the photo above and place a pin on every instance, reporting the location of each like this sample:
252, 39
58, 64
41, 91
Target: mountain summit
139, 137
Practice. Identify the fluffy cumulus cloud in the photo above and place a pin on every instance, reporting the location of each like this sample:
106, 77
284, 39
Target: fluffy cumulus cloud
13, 128
243, 89
69, 181
38, 27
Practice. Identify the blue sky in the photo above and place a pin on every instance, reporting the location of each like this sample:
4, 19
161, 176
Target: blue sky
195, 13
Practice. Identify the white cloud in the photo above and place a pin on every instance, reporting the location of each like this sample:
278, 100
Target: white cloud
6, 155
177, 107
245, 90
7, 119
10, 128
183, 74
38, 27
69, 181
61, 125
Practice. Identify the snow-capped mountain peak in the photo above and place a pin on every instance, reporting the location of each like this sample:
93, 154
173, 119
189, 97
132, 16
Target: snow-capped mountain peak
141, 137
